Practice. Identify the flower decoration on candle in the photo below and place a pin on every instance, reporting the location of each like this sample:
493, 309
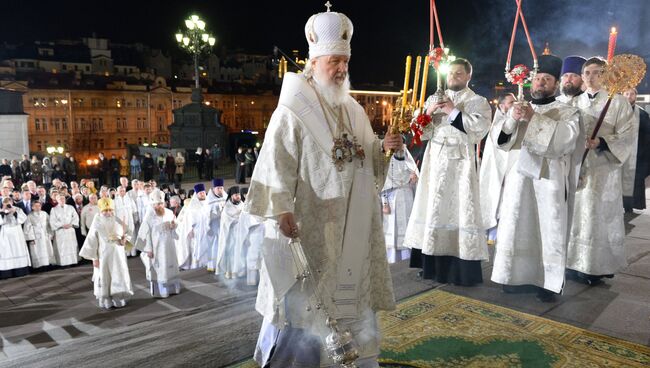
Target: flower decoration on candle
436, 55
518, 75
417, 128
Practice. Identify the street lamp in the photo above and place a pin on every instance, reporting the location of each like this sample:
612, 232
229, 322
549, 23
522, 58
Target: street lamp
196, 41
51, 150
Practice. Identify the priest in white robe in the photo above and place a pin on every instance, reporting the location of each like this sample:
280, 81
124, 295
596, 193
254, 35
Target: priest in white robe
215, 202
306, 183
14, 256
397, 203
63, 220
445, 230
126, 210
532, 234
191, 230
492, 170
597, 242
230, 237
38, 234
156, 241
104, 246
571, 84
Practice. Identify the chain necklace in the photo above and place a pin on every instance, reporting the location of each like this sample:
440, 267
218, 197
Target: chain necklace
343, 149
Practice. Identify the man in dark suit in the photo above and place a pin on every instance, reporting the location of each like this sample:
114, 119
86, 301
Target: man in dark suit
25, 203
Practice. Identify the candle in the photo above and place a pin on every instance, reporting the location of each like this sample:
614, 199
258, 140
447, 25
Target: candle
612, 44
407, 75
414, 96
425, 75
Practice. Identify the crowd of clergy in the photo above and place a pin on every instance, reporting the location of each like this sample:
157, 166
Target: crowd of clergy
512, 178
42, 230
517, 179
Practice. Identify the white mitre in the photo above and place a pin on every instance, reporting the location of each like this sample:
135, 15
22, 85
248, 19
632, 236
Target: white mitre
157, 196
329, 33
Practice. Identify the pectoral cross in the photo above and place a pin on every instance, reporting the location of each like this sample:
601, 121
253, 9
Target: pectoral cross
328, 5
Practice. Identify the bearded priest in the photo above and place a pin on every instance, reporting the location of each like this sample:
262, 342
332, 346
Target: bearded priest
445, 230
104, 246
317, 179
532, 232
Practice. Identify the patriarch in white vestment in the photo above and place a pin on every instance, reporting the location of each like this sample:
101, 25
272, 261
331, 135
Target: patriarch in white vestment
317, 178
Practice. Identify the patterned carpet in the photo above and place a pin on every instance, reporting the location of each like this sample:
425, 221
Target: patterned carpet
439, 329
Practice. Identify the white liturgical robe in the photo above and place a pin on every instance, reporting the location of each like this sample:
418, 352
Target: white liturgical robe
397, 196
111, 279
338, 212
596, 244
492, 173
65, 240
157, 235
531, 245
191, 230
212, 216
37, 229
229, 239
446, 218
13, 248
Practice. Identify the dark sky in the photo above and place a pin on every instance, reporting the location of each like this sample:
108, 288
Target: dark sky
385, 31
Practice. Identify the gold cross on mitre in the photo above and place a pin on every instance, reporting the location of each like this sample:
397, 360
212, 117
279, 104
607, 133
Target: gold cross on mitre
328, 5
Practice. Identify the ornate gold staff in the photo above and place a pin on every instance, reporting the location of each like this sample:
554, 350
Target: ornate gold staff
624, 72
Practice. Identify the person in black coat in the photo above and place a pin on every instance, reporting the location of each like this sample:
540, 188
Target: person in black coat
103, 168
5, 168
200, 162
114, 165
147, 167
240, 168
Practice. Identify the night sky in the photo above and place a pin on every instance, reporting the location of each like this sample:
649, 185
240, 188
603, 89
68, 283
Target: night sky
385, 31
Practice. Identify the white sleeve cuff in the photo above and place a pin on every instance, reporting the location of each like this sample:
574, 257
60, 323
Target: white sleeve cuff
453, 115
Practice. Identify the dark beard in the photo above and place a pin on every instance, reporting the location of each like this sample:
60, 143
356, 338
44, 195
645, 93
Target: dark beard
571, 91
540, 94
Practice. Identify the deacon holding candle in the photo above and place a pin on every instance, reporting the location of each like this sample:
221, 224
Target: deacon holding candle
539, 138
445, 230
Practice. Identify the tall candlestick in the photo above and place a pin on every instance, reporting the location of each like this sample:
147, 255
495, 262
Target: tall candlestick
407, 76
612, 44
425, 76
414, 96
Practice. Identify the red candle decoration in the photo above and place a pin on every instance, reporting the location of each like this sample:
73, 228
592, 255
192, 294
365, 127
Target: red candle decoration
612, 44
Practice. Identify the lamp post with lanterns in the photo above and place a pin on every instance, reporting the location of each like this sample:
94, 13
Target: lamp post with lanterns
196, 41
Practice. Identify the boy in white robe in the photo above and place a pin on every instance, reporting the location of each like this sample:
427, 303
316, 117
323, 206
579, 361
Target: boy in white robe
63, 220
397, 203
104, 246
14, 257
38, 234
156, 241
